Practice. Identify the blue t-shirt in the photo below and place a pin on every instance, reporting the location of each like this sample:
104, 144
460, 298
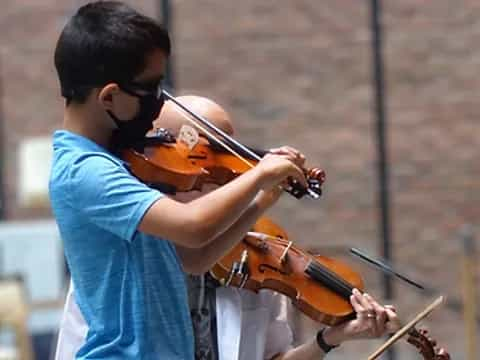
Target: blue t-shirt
130, 286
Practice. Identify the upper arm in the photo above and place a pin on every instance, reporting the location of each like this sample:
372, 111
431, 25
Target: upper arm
107, 195
174, 221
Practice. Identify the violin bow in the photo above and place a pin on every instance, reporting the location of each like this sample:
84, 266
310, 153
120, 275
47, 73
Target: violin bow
202, 123
404, 330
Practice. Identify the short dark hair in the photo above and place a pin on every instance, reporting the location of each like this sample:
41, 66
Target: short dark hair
103, 42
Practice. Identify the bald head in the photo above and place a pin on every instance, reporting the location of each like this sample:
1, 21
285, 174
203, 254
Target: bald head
172, 119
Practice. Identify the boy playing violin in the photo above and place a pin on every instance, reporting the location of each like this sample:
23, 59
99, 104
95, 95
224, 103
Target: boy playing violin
231, 323
121, 238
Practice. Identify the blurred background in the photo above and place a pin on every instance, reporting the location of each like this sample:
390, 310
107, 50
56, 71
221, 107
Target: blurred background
390, 112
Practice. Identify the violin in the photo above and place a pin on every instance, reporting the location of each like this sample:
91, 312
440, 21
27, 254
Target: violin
170, 165
318, 286
167, 164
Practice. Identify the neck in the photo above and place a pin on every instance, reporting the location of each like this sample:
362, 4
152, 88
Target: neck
88, 123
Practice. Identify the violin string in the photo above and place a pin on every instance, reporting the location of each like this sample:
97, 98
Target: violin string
332, 279
281, 240
263, 236
335, 284
318, 271
347, 287
332, 282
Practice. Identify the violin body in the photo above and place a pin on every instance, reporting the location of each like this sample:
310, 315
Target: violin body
181, 168
163, 167
318, 286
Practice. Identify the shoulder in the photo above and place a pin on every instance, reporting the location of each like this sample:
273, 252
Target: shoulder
95, 162
72, 151
81, 172
74, 167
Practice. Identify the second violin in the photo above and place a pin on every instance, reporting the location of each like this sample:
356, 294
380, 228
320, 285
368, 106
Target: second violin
319, 286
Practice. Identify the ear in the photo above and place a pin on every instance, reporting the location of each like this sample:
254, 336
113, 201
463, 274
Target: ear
106, 95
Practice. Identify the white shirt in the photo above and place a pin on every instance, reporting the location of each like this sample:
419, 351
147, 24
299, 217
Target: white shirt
73, 329
258, 331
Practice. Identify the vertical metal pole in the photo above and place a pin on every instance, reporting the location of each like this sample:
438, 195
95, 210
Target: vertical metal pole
383, 169
469, 292
2, 162
2, 148
165, 14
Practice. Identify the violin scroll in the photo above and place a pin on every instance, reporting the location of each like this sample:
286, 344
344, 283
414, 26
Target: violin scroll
315, 179
426, 345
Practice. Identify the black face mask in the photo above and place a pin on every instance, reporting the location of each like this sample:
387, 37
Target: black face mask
131, 133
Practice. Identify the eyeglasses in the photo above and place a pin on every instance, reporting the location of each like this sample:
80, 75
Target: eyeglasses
154, 88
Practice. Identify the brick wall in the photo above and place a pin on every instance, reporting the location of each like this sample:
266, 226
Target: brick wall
298, 73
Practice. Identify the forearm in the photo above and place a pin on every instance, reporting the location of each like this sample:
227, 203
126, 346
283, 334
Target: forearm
226, 205
199, 222
199, 261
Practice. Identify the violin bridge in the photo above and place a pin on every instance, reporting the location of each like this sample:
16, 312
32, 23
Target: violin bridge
283, 258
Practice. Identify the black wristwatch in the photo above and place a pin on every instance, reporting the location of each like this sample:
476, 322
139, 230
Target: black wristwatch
322, 344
